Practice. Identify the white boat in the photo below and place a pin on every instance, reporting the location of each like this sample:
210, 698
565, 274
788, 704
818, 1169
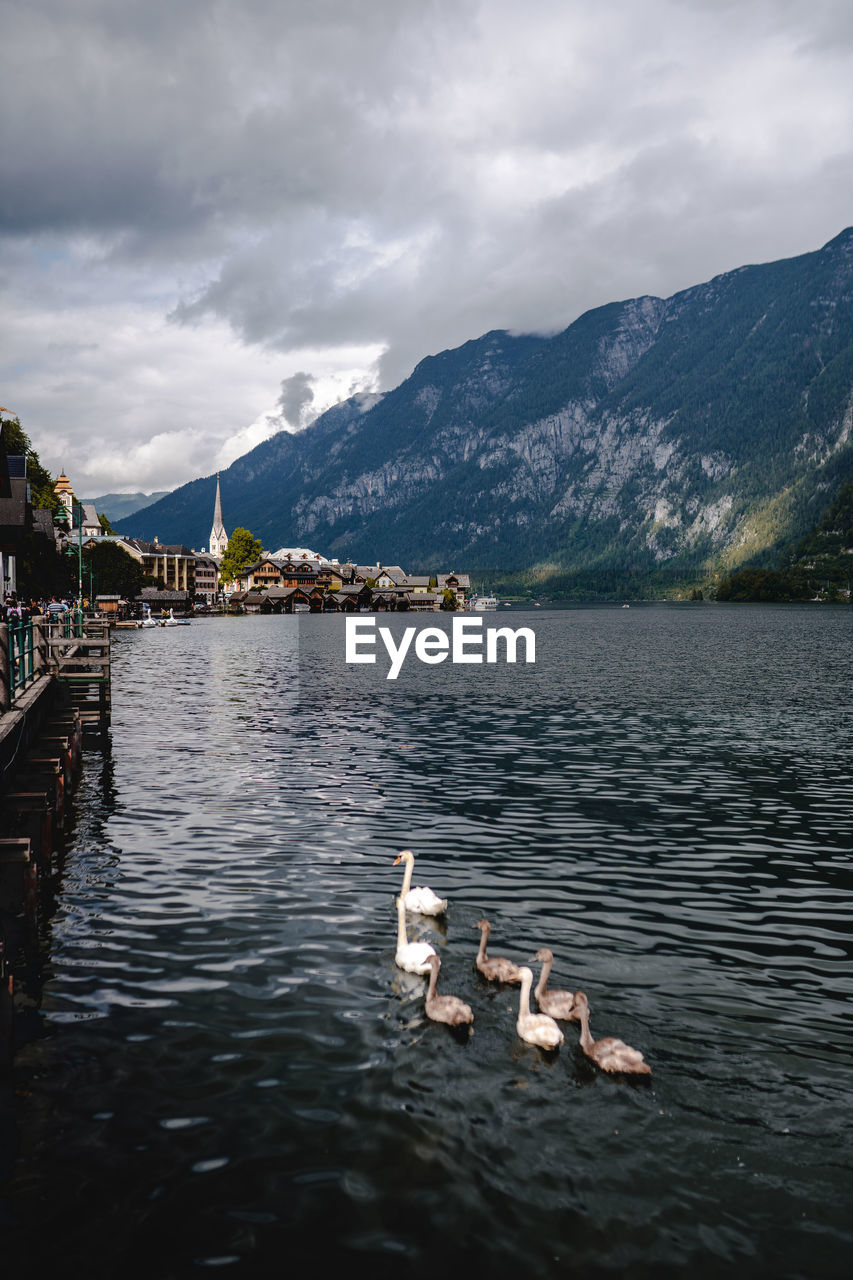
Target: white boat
484, 602
147, 620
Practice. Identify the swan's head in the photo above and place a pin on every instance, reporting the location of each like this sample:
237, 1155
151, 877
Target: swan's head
525, 974
482, 924
543, 955
405, 856
434, 963
580, 1001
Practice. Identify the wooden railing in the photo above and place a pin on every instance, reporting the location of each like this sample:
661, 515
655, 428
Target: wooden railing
23, 657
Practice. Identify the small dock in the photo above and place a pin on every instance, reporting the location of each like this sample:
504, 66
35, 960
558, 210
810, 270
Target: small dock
81, 664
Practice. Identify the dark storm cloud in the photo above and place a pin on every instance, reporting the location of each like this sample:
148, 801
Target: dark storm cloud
296, 397
344, 186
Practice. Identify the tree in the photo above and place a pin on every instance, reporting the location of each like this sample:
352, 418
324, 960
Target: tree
764, 585
105, 524
114, 571
449, 603
43, 573
242, 549
16, 441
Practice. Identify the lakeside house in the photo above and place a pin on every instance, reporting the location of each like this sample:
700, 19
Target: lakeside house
276, 584
291, 579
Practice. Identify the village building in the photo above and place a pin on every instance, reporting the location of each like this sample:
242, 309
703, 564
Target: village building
458, 583
16, 517
206, 578
65, 494
169, 565
218, 536
390, 576
74, 512
161, 599
296, 553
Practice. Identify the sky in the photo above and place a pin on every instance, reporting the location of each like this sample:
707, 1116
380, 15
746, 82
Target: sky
218, 218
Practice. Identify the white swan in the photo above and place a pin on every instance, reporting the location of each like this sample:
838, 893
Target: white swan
421, 900
608, 1053
449, 1009
414, 957
535, 1028
171, 621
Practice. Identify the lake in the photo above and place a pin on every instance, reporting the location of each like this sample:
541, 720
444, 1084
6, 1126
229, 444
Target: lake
224, 1069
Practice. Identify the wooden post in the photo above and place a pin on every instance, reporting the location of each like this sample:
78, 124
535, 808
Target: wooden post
31, 816
5, 690
39, 644
18, 879
6, 1008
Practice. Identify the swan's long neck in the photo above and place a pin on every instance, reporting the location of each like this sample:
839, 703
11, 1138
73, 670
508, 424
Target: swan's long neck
433, 979
524, 997
543, 978
407, 874
484, 937
402, 940
586, 1041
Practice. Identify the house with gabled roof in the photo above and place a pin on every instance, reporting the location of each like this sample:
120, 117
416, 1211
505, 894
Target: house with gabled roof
388, 576
265, 572
458, 583
173, 564
353, 595
330, 575
424, 601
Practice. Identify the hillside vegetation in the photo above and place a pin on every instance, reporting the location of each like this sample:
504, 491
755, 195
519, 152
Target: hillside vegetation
652, 442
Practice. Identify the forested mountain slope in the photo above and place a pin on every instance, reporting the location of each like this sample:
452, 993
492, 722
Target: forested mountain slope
654, 435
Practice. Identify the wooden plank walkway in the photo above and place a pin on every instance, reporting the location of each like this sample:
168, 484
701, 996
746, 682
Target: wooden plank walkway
82, 667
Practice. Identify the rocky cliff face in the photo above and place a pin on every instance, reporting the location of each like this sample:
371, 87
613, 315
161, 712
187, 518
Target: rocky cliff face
698, 430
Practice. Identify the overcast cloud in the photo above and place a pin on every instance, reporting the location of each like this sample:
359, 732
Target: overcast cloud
218, 218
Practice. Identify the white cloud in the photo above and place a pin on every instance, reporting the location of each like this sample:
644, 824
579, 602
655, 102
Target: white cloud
200, 202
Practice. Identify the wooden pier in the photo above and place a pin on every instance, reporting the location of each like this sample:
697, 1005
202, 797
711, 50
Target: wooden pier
54, 686
81, 664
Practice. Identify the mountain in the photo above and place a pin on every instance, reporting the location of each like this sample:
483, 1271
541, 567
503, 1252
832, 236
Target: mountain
820, 567
656, 437
117, 505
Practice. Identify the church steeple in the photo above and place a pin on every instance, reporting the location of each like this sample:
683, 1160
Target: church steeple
218, 536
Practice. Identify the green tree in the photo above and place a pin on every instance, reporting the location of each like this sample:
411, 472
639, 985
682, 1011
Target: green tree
105, 524
449, 603
17, 442
41, 572
242, 549
113, 570
763, 585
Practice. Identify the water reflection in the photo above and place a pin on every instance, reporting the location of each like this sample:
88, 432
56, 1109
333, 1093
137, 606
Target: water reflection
234, 1071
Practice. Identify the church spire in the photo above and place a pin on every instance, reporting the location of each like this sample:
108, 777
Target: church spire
218, 536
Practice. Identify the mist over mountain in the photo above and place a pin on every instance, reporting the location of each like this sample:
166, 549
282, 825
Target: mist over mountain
115, 506
674, 435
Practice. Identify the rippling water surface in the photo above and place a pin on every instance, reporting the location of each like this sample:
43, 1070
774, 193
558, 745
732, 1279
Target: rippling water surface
229, 1069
